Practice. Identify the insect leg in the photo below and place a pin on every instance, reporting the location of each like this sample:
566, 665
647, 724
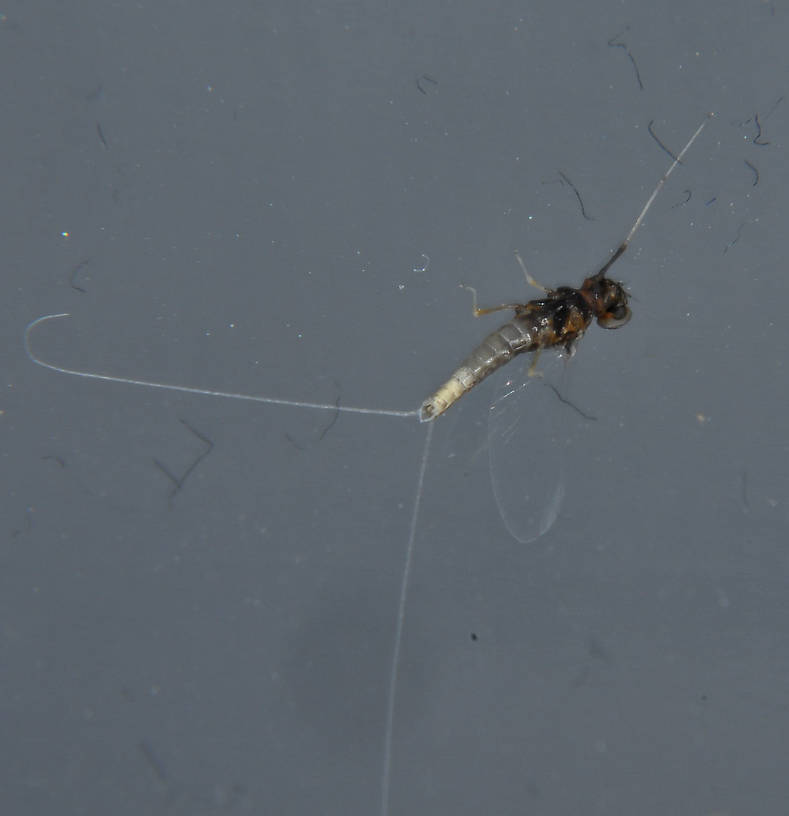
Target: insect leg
619, 251
479, 312
529, 279
533, 367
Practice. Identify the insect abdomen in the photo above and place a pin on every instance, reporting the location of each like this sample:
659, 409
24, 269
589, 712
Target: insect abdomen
517, 336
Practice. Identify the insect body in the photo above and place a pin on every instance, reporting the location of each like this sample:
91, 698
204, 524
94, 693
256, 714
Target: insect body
559, 319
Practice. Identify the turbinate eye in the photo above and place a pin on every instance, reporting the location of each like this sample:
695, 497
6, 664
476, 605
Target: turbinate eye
616, 318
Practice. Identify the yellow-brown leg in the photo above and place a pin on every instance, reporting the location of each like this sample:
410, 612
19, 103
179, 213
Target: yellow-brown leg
533, 367
490, 309
529, 279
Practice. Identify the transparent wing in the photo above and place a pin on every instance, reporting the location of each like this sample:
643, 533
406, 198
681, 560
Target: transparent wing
530, 428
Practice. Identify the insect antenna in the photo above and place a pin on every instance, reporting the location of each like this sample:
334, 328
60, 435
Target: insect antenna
620, 250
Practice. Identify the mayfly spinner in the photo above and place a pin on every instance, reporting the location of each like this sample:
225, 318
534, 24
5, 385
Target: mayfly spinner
560, 318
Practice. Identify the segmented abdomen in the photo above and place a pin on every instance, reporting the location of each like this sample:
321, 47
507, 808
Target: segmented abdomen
521, 334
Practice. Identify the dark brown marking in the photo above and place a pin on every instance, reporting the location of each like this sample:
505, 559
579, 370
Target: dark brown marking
662, 146
757, 139
755, 172
615, 42
178, 481
577, 195
567, 402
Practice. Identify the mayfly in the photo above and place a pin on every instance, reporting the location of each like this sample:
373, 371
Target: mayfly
559, 319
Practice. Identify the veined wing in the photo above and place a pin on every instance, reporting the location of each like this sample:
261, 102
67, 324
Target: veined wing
531, 426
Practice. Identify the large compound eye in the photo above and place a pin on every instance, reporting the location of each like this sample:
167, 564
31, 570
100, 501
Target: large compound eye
616, 318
